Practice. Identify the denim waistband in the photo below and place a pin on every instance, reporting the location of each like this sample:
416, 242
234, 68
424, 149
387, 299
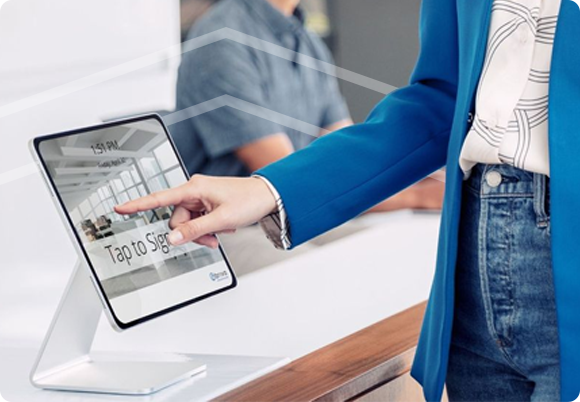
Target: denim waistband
496, 181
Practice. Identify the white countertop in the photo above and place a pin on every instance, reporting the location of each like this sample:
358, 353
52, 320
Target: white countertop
289, 309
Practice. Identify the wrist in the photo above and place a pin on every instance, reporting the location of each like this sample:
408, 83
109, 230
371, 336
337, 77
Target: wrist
270, 196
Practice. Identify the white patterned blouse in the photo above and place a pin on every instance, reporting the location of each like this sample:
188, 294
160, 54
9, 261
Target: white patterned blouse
510, 125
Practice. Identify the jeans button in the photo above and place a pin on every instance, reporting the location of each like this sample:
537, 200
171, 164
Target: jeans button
493, 178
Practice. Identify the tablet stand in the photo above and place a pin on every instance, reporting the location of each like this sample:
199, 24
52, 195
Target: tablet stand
65, 361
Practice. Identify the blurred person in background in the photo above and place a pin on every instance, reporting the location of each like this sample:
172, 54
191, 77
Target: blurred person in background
230, 142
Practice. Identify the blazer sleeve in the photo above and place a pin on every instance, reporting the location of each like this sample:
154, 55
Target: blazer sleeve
404, 139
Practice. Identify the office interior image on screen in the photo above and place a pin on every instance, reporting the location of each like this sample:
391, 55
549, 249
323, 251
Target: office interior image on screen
140, 272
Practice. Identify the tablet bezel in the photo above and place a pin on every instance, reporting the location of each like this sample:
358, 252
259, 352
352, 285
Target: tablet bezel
116, 322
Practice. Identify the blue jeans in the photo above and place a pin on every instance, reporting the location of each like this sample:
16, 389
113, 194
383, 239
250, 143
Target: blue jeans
504, 345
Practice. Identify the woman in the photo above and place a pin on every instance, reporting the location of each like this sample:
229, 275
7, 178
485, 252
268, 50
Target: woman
501, 321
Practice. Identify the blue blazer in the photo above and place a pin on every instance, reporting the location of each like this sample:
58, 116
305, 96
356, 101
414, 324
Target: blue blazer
420, 128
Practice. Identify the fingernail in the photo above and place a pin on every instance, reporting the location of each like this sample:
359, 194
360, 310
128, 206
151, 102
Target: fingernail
175, 237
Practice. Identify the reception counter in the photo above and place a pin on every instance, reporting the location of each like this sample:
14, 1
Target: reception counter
347, 316
371, 364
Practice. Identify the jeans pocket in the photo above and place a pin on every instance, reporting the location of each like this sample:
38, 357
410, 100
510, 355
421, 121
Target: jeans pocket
496, 268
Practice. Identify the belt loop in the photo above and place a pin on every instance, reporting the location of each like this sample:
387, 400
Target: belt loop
540, 195
547, 203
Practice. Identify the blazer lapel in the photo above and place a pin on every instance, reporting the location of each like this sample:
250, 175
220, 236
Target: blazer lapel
564, 143
473, 26
473, 19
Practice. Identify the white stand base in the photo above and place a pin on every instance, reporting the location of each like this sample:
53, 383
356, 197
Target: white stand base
66, 362
126, 374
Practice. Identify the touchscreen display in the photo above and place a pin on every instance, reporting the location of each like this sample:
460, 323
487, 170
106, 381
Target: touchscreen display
140, 273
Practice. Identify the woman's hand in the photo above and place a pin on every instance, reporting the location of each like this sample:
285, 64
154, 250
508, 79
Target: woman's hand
207, 205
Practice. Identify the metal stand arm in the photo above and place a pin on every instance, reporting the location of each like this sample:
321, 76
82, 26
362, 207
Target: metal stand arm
66, 362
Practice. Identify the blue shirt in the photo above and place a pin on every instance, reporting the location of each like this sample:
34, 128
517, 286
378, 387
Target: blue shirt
207, 142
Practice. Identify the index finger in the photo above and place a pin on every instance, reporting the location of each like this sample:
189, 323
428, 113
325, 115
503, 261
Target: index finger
159, 199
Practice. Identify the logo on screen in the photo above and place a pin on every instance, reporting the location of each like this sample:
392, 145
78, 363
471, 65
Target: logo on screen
218, 276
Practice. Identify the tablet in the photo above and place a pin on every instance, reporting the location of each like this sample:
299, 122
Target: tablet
137, 273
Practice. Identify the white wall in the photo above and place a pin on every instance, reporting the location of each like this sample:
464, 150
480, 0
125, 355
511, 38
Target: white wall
45, 45
48, 48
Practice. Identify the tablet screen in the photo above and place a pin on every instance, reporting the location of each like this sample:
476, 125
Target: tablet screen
139, 272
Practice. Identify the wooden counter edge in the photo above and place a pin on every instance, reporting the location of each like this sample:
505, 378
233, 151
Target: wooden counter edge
345, 369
